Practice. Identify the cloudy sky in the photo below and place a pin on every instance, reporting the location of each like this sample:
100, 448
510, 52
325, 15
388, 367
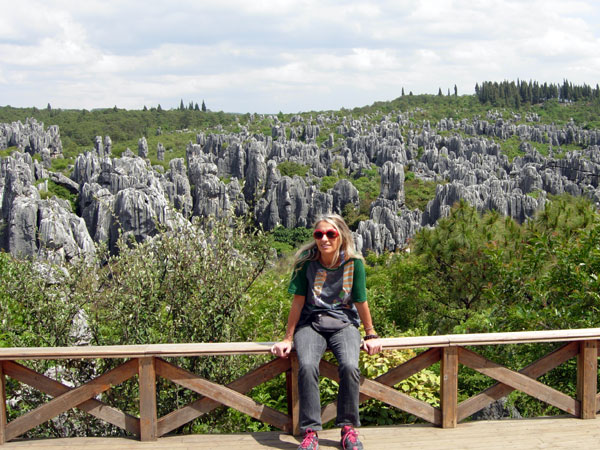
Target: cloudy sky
268, 56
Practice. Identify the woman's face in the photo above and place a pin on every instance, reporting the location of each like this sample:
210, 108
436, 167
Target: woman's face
328, 245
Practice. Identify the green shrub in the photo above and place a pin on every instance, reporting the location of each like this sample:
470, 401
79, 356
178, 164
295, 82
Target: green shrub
291, 168
417, 193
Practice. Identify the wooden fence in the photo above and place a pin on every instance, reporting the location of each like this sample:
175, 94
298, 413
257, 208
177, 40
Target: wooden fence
146, 361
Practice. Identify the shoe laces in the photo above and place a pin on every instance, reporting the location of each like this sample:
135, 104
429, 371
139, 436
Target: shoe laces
349, 434
309, 435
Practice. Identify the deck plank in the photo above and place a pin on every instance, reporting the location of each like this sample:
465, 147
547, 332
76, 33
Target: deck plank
541, 433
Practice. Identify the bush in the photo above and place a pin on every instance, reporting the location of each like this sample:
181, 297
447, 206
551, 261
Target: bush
185, 285
291, 168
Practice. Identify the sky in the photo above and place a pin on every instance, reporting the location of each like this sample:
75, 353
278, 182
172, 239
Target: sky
267, 56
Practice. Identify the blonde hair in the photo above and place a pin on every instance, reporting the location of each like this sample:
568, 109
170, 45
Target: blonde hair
310, 251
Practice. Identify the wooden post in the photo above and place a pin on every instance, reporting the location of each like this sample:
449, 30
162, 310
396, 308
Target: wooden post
295, 401
147, 385
449, 388
3, 418
587, 381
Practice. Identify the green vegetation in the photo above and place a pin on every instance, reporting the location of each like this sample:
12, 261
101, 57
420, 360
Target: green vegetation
291, 168
472, 273
285, 240
60, 192
417, 193
79, 128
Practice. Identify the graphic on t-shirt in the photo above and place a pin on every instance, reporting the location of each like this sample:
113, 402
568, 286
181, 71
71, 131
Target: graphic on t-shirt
332, 287
320, 278
347, 281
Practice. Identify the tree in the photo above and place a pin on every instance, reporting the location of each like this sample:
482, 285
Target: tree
455, 91
203, 106
443, 283
440, 92
181, 106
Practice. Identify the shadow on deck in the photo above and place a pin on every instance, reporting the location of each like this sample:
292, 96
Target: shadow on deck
540, 433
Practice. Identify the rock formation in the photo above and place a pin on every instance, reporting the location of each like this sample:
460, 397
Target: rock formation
237, 173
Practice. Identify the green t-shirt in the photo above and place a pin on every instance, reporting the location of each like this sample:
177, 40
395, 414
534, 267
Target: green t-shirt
333, 291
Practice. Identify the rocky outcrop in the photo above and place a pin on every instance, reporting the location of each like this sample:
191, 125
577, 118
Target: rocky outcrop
31, 137
31, 226
238, 173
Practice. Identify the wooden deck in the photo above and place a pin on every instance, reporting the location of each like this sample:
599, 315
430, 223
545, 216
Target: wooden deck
541, 433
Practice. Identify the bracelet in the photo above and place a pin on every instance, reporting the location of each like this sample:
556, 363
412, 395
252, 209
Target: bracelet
371, 336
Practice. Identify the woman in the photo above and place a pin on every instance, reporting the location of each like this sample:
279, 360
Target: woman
329, 304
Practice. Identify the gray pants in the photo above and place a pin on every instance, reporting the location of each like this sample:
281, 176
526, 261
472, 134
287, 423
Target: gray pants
310, 346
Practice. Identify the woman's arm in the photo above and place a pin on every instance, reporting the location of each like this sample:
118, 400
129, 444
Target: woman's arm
371, 346
282, 349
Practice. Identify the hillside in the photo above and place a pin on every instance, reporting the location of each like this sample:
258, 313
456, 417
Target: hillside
389, 168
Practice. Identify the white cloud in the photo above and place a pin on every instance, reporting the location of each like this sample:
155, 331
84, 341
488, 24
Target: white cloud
285, 55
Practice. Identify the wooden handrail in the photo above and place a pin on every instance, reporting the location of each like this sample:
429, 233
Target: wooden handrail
263, 348
145, 362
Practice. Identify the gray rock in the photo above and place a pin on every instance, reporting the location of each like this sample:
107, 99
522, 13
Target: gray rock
344, 193
31, 137
160, 152
107, 146
142, 148
392, 182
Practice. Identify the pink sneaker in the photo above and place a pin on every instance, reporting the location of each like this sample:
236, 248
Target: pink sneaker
350, 439
310, 441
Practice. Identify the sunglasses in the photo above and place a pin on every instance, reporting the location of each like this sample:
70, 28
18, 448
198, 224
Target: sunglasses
331, 234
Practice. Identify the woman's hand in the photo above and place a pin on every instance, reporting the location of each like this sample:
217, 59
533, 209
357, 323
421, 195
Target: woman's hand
372, 346
282, 349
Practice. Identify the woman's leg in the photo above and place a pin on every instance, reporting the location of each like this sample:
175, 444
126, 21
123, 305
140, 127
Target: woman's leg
345, 345
309, 346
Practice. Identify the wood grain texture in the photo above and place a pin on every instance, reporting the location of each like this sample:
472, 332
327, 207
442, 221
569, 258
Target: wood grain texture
203, 405
256, 348
534, 370
449, 387
295, 400
587, 378
519, 381
147, 389
391, 378
53, 388
3, 399
223, 395
70, 399
388, 395
544, 433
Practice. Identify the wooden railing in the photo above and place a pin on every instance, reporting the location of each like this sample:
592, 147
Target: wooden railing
146, 361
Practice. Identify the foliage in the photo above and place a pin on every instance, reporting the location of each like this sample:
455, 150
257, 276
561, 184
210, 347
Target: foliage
424, 386
513, 94
285, 240
59, 191
291, 168
185, 285
417, 192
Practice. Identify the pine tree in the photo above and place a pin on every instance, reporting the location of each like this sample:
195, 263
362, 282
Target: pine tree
203, 106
